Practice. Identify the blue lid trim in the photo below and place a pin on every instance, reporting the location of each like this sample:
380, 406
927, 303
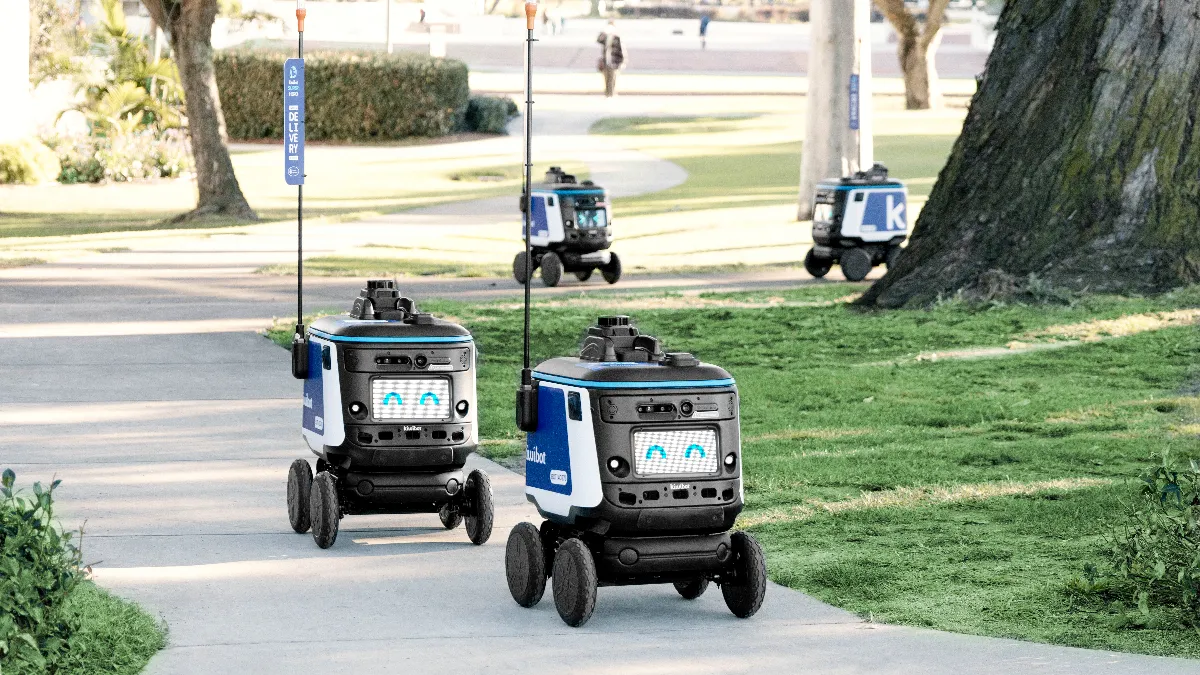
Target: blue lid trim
338, 338
668, 384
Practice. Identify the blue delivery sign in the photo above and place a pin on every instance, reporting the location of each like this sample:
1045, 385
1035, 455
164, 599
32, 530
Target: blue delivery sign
293, 121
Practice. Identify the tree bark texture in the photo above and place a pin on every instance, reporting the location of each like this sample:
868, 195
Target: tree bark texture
916, 46
1078, 162
189, 25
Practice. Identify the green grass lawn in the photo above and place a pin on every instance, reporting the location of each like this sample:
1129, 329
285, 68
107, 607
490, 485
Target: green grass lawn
731, 170
341, 266
956, 493
115, 637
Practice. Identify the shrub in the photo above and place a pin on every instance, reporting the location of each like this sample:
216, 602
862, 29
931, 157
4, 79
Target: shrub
489, 114
350, 96
27, 161
122, 157
1155, 556
39, 567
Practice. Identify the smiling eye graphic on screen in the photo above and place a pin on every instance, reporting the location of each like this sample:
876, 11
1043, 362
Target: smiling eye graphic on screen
656, 448
392, 398
692, 447
429, 395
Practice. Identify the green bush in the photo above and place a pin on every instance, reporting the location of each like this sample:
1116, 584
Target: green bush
121, 157
489, 114
1155, 555
39, 567
27, 161
350, 96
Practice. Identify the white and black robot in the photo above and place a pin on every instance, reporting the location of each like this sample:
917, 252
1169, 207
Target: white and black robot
389, 411
858, 222
571, 230
633, 458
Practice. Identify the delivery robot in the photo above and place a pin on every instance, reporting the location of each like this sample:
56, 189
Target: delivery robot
633, 458
390, 412
572, 230
858, 222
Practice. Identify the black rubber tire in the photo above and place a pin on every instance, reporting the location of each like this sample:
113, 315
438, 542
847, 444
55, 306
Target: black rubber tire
525, 565
323, 509
856, 264
552, 270
745, 597
450, 516
299, 487
690, 590
583, 275
574, 582
817, 267
519, 268
612, 271
479, 521
892, 255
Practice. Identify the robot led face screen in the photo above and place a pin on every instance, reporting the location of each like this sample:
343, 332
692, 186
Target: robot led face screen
410, 399
671, 452
591, 218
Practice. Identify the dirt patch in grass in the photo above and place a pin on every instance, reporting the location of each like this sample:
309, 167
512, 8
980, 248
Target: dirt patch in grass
9, 263
910, 497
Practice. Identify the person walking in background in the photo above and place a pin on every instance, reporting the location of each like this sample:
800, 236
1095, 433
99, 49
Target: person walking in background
612, 58
704, 19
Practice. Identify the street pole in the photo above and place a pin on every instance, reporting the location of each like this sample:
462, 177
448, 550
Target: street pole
838, 138
299, 337
388, 21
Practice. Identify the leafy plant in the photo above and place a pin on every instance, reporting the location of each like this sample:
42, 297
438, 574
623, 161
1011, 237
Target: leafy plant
1155, 556
27, 161
351, 96
135, 90
56, 39
489, 114
138, 155
39, 568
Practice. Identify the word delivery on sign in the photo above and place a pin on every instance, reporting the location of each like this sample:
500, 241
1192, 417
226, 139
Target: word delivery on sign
293, 121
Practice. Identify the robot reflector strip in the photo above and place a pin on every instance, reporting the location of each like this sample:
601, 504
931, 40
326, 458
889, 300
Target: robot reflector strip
685, 451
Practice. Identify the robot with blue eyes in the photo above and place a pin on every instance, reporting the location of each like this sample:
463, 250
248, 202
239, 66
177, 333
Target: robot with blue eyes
633, 458
571, 231
389, 411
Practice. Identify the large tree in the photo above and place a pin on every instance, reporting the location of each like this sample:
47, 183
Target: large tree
189, 25
1079, 162
917, 42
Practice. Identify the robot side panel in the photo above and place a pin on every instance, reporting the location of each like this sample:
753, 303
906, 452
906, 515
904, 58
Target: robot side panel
561, 467
879, 215
546, 217
322, 422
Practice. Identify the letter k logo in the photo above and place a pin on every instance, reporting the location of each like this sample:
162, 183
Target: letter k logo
895, 214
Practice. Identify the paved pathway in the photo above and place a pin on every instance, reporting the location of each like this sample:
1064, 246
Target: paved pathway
173, 448
137, 379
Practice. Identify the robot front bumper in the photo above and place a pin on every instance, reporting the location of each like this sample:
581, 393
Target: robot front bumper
624, 560
410, 492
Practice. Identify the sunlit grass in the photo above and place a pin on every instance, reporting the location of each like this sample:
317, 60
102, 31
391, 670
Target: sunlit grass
959, 494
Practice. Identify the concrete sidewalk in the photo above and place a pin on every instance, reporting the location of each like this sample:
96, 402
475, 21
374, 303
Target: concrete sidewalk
173, 448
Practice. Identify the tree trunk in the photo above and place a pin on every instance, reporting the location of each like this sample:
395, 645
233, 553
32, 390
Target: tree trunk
189, 24
1077, 166
841, 47
916, 47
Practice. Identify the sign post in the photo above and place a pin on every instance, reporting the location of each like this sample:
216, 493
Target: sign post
293, 174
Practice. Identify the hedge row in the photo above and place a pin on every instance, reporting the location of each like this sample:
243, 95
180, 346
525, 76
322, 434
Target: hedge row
350, 96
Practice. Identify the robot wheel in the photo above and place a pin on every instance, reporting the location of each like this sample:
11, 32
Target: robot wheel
744, 593
480, 511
